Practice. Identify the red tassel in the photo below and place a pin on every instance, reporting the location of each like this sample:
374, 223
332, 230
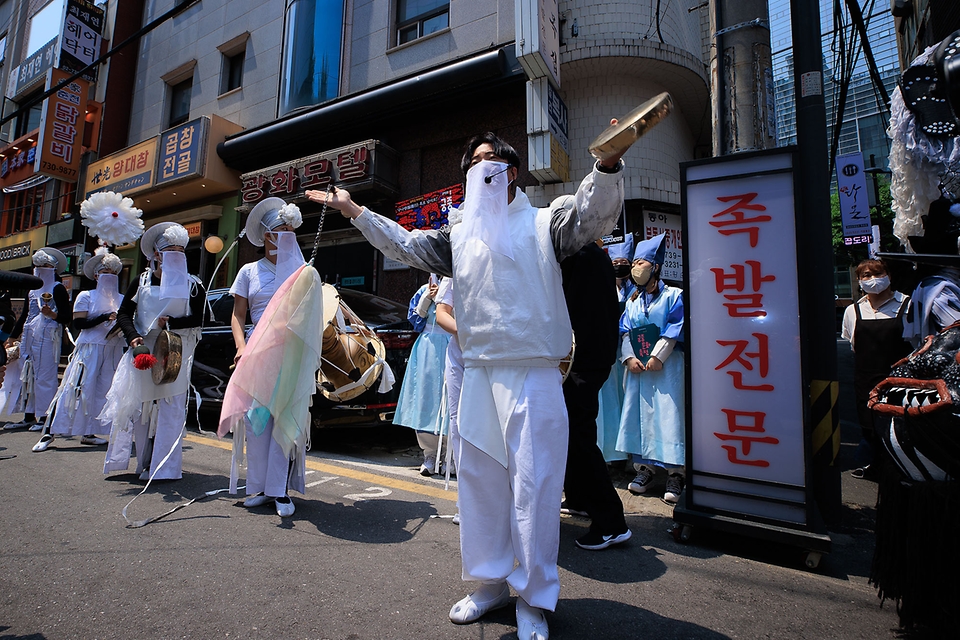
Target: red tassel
144, 361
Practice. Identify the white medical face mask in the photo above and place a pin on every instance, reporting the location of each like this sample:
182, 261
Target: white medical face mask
875, 285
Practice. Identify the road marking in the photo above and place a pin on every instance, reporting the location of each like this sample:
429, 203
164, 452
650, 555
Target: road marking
372, 492
437, 493
321, 480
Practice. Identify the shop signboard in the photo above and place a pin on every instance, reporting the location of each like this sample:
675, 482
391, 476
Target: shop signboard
81, 38
430, 210
854, 200
367, 162
129, 171
657, 222
35, 67
61, 128
746, 443
538, 38
181, 152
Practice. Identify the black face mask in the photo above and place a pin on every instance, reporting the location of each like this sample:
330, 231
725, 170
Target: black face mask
621, 270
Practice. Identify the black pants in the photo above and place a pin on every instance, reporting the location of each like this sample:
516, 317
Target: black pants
587, 483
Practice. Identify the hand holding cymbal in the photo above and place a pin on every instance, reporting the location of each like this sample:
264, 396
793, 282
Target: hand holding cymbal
618, 137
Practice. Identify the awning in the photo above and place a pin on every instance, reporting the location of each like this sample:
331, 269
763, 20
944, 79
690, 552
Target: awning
301, 134
33, 181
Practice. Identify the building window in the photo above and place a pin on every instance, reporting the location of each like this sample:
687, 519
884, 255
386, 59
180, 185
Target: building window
233, 53
28, 120
23, 210
231, 77
313, 34
180, 102
418, 18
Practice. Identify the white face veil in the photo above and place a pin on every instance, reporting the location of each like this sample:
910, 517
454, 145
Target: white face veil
108, 293
174, 280
289, 256
485, 207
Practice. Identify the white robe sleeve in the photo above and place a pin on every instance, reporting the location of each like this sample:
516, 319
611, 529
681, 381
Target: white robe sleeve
426, 250
597, 207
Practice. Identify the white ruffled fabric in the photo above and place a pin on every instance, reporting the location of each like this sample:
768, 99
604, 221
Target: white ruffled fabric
916, 160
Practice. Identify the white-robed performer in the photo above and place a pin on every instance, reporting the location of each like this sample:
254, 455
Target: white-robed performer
89, 373
165, 297
40, 330
271, 470
514, 329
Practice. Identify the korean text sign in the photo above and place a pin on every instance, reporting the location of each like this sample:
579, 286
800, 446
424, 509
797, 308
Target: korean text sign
854, 206
745, 391
181, 151
61, 128
429, 211
128, 171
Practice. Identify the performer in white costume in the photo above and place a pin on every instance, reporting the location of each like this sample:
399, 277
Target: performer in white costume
270, 471
512, 419
164, 297
88, 375
48, 310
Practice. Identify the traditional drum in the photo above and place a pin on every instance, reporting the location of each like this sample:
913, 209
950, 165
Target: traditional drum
168, 351
352, 355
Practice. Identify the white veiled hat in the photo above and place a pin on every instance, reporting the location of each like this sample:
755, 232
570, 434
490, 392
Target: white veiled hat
162, 235
101, 258
269, 214
42, 258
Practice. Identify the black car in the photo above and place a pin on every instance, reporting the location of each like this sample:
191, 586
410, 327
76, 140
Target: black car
215, 352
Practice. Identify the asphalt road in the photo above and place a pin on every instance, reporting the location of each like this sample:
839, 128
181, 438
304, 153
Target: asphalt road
372, 553
365, 556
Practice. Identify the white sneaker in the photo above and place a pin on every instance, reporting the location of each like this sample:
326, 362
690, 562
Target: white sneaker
456, 518
256, 500
429, 464
643, 480
285, 506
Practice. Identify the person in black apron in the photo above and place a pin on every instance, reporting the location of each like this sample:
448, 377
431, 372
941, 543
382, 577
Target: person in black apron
874, 327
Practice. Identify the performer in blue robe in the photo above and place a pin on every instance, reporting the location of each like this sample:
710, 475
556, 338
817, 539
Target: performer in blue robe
652, 420
611, 393
420, 402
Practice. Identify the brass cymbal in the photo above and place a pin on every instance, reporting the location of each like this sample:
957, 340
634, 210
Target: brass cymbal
617, 138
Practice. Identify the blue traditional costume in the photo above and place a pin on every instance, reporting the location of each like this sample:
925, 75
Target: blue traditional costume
652, 420
611, 394
420, 403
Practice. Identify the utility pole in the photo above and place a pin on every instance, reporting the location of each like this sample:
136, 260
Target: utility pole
815, 244
741, 75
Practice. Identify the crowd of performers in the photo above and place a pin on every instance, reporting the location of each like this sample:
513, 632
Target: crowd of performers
486, 368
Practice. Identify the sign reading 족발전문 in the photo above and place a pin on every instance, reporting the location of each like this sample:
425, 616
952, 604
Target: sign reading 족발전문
745, 394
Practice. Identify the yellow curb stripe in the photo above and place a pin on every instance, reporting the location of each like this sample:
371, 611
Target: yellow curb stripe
356, 474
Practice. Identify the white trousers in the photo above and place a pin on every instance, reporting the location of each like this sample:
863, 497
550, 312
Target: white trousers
171, 420
510, 518
45, 353
268, 469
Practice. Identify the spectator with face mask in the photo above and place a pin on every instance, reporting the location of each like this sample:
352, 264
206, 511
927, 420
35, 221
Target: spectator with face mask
651, 328
874, 328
